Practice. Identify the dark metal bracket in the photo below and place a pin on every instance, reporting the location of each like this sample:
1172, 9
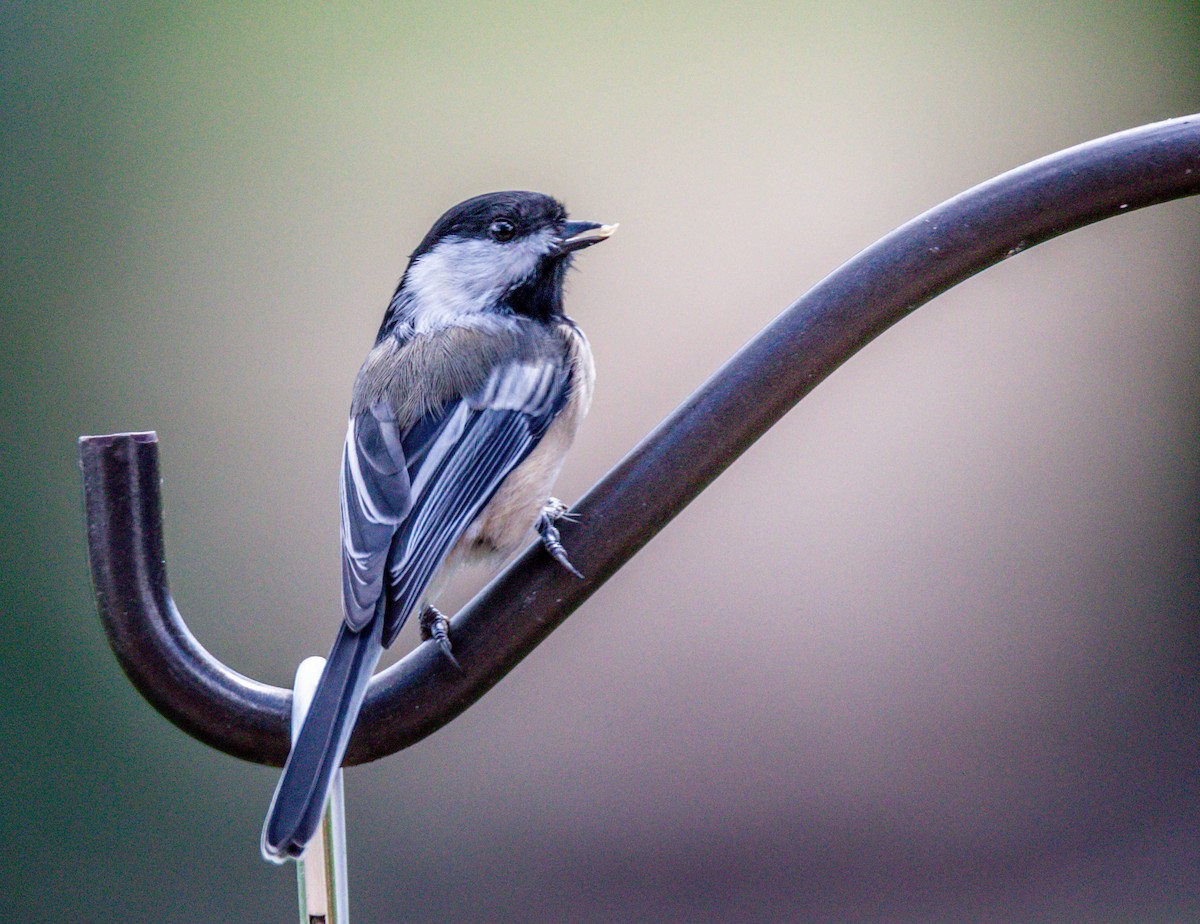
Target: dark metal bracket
741, 401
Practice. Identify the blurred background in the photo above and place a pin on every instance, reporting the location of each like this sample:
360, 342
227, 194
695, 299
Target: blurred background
928, 652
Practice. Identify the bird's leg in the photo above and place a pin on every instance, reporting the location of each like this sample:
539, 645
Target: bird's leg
437, 627
552, 512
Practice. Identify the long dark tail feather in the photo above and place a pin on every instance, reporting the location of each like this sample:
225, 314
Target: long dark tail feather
308, 774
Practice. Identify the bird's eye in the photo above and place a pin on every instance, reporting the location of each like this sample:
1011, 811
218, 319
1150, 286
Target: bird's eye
502, 230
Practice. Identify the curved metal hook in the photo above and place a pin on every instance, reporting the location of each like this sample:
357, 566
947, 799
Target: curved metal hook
741, 401
163, 659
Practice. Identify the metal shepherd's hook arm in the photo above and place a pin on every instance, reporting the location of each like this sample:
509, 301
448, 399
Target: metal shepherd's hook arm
890, 279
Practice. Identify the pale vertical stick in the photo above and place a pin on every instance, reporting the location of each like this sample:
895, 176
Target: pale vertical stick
321, 871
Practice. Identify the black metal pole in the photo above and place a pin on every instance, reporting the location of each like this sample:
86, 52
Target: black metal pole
740, 402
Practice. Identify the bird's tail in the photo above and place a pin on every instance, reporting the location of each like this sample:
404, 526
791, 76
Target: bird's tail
317, 752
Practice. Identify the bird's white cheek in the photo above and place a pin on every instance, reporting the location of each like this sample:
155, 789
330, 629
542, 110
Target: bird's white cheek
461, 277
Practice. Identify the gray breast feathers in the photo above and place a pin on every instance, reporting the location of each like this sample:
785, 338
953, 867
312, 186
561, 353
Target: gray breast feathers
422, 372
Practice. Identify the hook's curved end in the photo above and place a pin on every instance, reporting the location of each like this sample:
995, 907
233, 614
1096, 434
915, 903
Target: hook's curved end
221, 707
153, 645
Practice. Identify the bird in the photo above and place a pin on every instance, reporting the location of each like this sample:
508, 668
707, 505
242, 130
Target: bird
460, 419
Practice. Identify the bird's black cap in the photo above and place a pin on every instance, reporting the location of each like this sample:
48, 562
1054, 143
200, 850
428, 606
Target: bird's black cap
527, 211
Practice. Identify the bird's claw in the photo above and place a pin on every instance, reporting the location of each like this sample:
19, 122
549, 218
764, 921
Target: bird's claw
556, 510
552, 512
437, 627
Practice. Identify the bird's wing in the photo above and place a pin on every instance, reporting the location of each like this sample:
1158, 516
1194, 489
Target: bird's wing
376, 495
407, 496
462, 463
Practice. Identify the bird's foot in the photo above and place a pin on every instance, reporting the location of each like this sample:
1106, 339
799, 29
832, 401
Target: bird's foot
437, 627
552, 512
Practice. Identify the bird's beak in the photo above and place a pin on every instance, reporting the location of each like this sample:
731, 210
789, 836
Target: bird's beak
580, 234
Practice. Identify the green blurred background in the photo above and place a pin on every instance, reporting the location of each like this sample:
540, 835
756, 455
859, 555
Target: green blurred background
927, 653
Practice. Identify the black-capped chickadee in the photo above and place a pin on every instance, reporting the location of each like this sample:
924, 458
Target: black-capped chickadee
460, 419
